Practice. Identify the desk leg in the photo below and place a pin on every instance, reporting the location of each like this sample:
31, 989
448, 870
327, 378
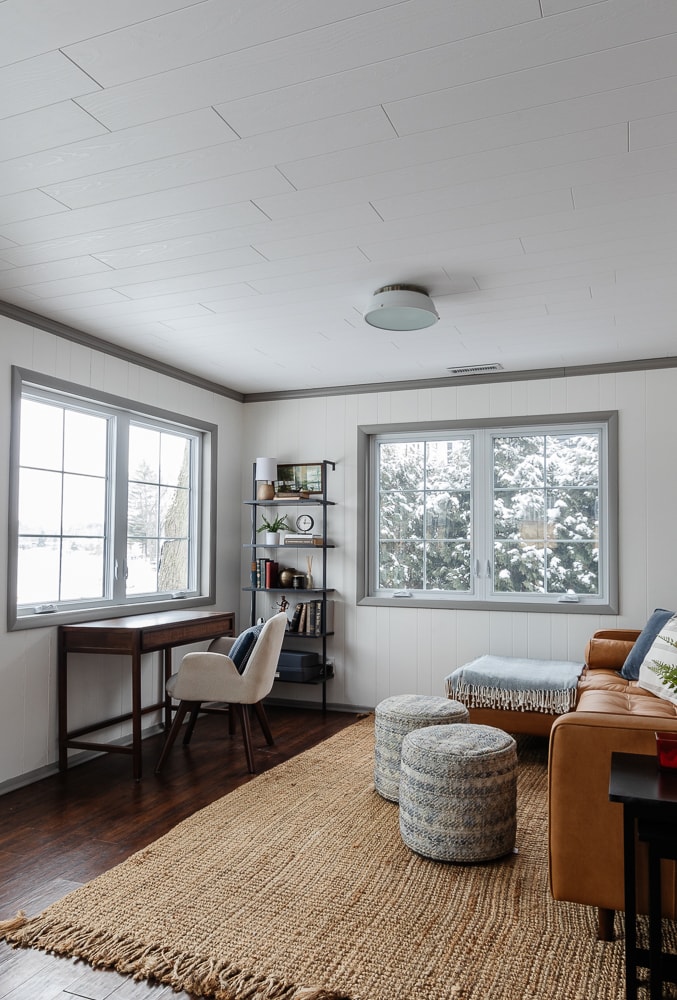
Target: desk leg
655, 913
167, 675
136, 714
62, 701
630, 903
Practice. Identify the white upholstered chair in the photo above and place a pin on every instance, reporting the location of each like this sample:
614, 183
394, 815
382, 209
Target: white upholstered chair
213, 677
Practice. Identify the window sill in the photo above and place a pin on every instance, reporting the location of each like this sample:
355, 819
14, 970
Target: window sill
554, 608
107, 611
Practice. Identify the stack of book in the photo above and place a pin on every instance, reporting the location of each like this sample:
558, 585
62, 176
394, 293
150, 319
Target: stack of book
305, 538
264, 574
313, 618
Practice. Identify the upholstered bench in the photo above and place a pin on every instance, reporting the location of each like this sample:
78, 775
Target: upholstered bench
458, 792
517, 694
397, 716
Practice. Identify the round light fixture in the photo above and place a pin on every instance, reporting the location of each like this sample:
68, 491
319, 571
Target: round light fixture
401, 307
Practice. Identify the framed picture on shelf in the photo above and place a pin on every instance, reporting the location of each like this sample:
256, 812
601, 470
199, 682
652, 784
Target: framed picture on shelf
295, 480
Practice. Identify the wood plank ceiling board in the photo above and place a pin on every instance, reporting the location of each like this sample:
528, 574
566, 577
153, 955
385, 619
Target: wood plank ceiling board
202, 181
53, 163
130, 238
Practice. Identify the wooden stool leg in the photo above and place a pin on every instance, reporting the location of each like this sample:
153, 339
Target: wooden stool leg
243, 712
173, 733
263, 722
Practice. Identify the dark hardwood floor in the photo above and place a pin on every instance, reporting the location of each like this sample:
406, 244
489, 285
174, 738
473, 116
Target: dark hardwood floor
68, 828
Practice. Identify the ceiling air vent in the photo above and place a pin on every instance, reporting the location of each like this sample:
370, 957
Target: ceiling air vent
476, 369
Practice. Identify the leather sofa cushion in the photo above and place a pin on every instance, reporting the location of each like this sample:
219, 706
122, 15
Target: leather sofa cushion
632, 701
601, 680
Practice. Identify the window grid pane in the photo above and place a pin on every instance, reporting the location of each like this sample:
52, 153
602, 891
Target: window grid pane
532, 521
159, 514
62, 515
424, 515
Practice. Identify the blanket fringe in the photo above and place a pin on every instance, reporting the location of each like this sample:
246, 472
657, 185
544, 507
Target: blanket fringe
481, 696
200, 975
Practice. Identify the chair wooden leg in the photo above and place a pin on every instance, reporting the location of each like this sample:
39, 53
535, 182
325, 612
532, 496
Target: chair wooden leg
263, 722
181, 710
243, 712
231, 720
194, 712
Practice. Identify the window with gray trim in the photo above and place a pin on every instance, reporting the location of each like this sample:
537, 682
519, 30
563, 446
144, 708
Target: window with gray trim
495, 514
107, 504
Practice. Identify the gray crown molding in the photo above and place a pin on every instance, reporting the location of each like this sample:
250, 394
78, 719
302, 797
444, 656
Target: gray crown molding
22, 315
528, 375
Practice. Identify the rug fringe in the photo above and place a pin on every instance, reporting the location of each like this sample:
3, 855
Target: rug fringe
13, 924
200, 975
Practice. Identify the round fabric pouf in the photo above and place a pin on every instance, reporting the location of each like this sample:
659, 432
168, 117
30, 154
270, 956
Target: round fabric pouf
458, 792
397, 716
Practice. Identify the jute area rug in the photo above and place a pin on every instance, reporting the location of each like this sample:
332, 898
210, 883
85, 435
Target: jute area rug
297, 886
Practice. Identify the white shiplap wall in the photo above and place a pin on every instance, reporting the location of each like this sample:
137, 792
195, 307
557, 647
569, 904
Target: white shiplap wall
382, 651
28, 733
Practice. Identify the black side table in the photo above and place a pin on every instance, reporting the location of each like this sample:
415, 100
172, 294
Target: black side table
649, 798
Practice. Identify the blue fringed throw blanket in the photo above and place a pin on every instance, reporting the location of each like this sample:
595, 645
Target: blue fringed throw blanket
511, 682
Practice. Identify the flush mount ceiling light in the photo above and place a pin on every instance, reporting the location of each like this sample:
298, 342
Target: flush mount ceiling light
401, 307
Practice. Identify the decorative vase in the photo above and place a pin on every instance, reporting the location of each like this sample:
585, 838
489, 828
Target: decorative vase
309, 581
265, 491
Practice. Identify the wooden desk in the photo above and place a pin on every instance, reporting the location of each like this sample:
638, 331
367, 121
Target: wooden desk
134, 636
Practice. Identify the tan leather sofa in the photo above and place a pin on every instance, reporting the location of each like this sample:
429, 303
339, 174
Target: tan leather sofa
585, 829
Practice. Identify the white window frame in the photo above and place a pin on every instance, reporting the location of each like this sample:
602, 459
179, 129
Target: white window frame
121, 413
481, 594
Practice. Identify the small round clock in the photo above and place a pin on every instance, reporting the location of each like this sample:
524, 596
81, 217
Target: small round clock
304, 522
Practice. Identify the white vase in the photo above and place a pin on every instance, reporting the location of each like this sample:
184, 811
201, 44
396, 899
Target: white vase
272, 538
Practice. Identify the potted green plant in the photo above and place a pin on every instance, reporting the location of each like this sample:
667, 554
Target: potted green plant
272, 528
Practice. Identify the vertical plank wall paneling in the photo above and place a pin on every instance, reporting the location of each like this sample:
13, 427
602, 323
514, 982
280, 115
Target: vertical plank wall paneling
384, 651
28, 733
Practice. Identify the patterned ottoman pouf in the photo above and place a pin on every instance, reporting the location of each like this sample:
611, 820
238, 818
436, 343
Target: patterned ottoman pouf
458, 792
397, 716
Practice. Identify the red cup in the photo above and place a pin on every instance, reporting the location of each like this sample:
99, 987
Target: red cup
666, 748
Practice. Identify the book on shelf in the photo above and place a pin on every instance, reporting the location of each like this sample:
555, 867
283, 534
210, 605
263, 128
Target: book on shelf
271, 574
296, 618
292, 539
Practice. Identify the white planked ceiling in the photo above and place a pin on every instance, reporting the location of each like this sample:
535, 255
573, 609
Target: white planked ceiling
223, 186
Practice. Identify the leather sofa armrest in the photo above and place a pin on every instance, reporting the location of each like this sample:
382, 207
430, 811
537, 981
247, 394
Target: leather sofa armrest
585, 829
